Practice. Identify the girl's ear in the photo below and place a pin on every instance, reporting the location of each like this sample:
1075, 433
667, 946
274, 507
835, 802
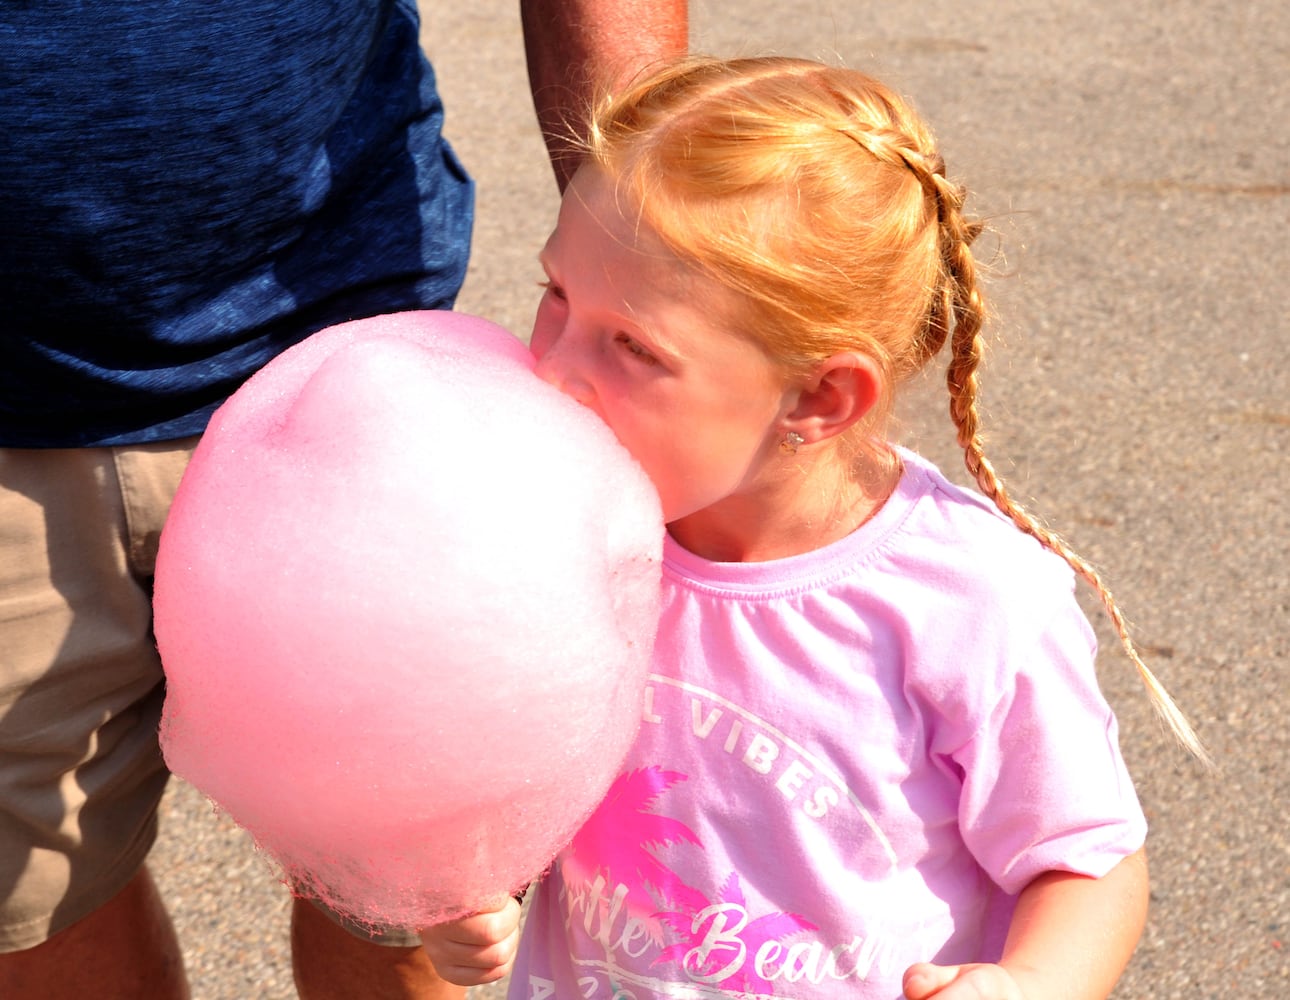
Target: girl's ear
844, 388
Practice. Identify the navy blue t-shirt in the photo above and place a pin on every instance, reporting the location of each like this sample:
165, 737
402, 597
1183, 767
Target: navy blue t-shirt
187, 188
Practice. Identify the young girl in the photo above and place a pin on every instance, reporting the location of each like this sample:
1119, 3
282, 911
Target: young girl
874, 761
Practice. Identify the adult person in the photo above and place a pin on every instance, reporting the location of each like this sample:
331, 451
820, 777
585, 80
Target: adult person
186, 189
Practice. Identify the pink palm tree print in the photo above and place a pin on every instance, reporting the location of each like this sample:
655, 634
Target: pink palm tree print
601, 850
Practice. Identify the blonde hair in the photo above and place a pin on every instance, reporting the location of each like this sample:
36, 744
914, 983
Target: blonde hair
818, 196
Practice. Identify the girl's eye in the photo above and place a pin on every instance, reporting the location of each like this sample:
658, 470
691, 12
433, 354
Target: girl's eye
552, 289
634, 348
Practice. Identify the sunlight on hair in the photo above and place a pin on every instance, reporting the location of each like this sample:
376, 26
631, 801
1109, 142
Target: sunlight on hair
885, 266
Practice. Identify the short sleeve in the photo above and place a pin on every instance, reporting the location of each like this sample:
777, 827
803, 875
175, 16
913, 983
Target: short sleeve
1045, 786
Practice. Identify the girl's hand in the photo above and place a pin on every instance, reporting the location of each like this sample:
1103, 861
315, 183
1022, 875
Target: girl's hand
960, 982
475, 950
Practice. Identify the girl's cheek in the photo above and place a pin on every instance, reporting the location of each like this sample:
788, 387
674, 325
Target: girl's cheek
546, 326
541, 341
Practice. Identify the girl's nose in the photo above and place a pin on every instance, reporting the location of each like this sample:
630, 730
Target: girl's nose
557, 365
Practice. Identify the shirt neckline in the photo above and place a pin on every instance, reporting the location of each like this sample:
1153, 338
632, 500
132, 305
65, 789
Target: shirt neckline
805, 569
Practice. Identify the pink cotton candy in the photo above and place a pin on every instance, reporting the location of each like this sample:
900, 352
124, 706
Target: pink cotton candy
405, 602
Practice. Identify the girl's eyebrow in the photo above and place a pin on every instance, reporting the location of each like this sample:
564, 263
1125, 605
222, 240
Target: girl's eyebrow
658, 342
667, 349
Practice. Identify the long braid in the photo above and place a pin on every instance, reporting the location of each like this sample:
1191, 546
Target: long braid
859, 276
966, 348
957, 312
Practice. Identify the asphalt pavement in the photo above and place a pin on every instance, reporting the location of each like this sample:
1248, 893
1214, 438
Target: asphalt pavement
1134, 161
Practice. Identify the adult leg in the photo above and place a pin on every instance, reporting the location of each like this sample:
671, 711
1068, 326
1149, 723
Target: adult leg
80, 696
124, 950
331, 963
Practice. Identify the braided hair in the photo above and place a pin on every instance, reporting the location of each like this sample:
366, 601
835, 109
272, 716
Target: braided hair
818, 195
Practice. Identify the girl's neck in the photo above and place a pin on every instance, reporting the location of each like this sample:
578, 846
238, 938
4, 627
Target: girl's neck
798, 514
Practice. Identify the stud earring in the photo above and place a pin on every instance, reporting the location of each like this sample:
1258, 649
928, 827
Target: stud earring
791, 440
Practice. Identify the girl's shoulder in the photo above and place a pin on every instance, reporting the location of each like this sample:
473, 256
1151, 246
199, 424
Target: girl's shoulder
981, 602
963, 544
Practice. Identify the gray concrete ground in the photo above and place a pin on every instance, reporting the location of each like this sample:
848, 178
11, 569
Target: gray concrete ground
1135, 161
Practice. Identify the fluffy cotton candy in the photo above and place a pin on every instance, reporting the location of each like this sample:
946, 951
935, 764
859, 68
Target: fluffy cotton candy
405, 601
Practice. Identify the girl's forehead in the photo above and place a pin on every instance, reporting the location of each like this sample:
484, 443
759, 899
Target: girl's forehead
592, 197
595, 218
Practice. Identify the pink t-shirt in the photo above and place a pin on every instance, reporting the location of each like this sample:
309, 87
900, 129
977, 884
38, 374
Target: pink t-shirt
849, 761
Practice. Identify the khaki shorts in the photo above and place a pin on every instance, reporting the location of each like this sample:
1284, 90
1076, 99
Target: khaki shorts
80, 682
81, 774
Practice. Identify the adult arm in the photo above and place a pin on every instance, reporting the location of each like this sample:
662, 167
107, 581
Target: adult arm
576, 46
1071, 937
